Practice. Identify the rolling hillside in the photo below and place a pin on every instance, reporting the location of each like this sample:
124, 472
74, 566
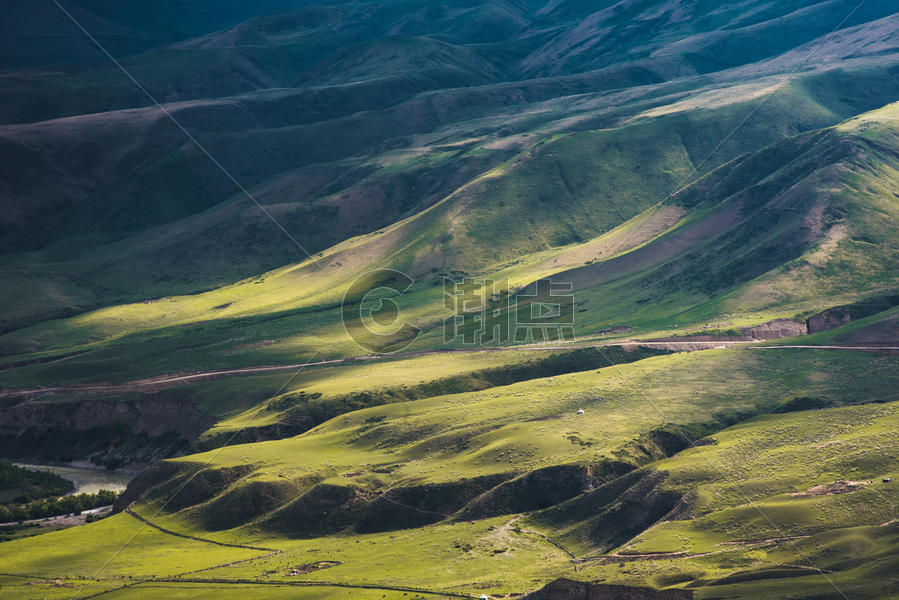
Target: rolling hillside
186, 263
111, 204
452, 476
794, 229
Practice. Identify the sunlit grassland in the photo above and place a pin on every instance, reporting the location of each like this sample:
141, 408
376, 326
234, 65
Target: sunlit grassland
485, 555
189, 591
117, 548
856, 561
571, 187
743, 483
740, 485
745, 519
462, 558
489, 554
380, 377
533, 424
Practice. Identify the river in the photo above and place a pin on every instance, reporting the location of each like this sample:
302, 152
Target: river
88, 480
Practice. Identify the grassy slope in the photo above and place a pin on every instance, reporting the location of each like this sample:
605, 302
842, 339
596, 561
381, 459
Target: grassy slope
693, 260
813, 227
529, 425
793, 228
336, 390
760, 460
154, 180
748, 536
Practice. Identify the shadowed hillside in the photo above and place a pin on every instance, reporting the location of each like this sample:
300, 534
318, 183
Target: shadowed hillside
791, 230
347, 118
307, 298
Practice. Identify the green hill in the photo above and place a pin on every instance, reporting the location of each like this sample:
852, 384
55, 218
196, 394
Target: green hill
794, 229
407, 112
716, 183
365, 490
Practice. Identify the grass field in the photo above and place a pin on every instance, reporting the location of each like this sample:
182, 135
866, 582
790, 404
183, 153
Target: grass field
746, 488
710, 254
714, 173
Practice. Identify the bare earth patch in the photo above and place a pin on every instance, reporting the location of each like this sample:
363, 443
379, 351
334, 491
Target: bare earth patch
829, 489
312, 567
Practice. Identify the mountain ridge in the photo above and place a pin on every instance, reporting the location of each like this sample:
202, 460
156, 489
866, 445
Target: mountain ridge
707, 411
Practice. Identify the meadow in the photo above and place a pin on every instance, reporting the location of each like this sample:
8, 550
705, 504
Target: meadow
706, 176
741, 489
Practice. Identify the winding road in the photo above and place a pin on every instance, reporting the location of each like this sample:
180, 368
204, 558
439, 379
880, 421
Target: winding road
178, 379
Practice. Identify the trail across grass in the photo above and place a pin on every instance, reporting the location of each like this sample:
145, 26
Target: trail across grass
175, 380
255, 582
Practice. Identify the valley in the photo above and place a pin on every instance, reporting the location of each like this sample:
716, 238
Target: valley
465, 299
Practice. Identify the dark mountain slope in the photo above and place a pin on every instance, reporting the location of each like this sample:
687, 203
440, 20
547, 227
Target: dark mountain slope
393, 107
157, 179
38, 34
675, 38
786, 232
509, 41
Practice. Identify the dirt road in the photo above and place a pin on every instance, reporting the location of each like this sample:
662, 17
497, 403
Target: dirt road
178, 379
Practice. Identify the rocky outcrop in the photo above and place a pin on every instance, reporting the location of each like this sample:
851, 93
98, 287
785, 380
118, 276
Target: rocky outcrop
107, 432
833, 318
154, 415
566, 589
772, 330
777, 329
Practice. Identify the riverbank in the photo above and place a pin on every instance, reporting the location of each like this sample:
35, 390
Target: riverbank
87, 480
